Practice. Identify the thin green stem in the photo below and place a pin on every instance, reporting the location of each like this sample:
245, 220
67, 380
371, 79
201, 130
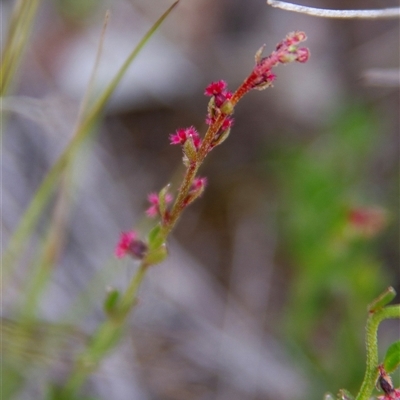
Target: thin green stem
372, 373
18, 34
129, 298
52, 247
106, 336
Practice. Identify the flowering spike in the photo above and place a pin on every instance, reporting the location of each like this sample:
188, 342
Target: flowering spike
286, 51
219, 118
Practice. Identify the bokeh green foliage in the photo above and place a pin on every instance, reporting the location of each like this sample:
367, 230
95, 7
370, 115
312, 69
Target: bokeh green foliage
334, 274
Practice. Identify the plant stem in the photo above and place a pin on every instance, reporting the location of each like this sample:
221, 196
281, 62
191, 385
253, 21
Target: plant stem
129, 298
372, 373
106, 336
179, 204
18, 34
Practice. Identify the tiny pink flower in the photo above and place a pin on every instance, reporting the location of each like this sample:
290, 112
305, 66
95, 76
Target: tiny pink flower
152, 211
181, 135
292, 38
199, 183
125, 241
130, 244
218, 91
303, 54
154, 200
191, 131
215, 88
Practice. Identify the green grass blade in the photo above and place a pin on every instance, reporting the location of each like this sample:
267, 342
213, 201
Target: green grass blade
18, 34
99, 105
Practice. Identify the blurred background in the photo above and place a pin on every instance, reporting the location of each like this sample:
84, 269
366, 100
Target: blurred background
264, 294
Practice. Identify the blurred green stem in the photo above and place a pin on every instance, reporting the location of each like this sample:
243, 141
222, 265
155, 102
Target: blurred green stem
18, 33
50, 253
372, 373
106, 336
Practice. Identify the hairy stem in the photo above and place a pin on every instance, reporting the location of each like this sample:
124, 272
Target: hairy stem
372, 373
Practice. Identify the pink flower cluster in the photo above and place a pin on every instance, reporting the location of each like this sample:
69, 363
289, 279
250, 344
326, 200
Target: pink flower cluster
219, 96
286, 52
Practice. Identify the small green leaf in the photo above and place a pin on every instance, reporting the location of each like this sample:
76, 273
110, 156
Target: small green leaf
392, 357
385, 298
156, 238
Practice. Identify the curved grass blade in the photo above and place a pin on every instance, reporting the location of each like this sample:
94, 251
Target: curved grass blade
18, 34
